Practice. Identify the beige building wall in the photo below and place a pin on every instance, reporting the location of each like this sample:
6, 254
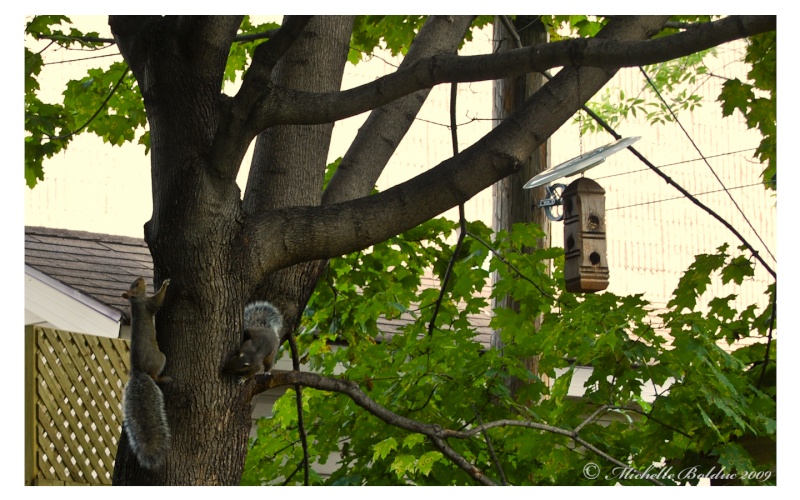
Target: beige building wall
653, 233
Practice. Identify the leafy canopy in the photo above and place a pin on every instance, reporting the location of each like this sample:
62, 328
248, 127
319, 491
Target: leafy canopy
707, 397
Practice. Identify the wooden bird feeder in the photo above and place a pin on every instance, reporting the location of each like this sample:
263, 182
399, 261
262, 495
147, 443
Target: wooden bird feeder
585, 264
582, 207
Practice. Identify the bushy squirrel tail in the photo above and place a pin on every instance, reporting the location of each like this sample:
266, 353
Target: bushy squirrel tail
145, 420
263, 314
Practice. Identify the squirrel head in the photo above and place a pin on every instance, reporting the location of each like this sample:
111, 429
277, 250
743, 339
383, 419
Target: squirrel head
137, 289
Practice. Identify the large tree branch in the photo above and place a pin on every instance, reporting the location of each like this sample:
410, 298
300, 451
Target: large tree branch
385, 127
288, 106
229, 144
308, 233
436, 433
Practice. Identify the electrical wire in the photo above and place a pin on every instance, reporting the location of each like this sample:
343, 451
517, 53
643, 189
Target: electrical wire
653, 202
673, 164
697, 148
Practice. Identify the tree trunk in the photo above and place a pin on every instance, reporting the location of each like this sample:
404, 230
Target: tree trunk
512, 203
195, 240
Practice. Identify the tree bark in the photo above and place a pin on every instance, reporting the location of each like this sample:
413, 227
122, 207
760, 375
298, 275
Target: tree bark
195, 241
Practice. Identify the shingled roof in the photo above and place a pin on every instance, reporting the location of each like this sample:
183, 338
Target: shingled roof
101, 266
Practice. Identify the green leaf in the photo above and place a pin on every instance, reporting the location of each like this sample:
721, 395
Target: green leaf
412, 440
383, 448
403, 464
426, 462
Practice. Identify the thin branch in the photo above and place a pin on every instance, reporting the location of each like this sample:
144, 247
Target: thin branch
461, 219
457, 459
427, 401
512, 266
243, 38
251, 37
298, 391
591, 417
659, 422
96, 113
769, 338
573, 435
512, 30
437, 434
82, 39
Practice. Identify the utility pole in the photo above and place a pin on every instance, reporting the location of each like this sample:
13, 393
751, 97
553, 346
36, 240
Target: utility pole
512, 204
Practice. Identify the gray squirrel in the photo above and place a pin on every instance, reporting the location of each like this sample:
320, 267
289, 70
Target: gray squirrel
262, 337
145, 420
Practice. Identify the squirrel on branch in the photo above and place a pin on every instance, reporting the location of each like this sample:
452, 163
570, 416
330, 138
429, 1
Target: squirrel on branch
262, 327
145, 420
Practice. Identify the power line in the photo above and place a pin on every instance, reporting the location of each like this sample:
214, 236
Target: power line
680, 188
682, 197
675, 163
688, 136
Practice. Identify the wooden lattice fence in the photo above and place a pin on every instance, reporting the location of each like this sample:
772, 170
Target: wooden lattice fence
73, 390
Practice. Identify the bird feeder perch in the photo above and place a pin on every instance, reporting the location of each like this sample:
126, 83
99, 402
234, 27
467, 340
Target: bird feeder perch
585, 263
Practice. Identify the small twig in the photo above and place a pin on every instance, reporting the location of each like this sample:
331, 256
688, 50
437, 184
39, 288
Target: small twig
503, 479
512, 31
457, 459
85, 39
290, 476
511, 266
427, 401
659, 422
